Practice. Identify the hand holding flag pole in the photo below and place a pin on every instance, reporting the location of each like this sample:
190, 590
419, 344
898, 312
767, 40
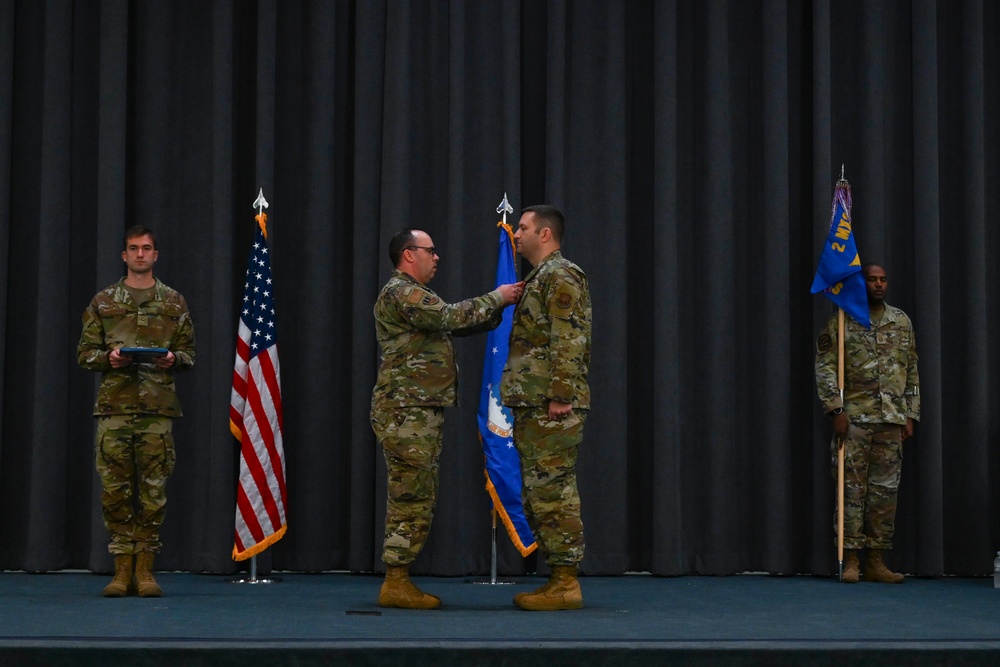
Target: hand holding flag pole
840, 279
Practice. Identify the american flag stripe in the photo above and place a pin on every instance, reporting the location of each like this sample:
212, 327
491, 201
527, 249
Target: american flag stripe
250, 531
256, 413
266, 439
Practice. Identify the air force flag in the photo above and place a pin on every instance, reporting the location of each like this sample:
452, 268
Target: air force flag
496, 422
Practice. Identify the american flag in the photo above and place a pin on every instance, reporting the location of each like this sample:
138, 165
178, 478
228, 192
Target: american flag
255, 411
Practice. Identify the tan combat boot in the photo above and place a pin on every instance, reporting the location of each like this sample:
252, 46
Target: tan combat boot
398, 591
876, 571
119, 586
148, 587
562, 592
852, 568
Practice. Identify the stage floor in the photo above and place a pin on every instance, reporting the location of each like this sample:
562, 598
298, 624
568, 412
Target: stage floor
628, 620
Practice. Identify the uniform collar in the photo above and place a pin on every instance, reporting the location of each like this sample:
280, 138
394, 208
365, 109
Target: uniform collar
122, 294
552, 256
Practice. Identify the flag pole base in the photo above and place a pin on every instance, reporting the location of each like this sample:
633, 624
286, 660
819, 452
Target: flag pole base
492, 581
840, 571
252, 578
245, 579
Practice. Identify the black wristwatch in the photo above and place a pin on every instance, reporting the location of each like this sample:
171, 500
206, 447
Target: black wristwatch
836, 411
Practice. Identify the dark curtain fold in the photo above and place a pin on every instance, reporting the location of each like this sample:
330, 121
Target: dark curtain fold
693, 147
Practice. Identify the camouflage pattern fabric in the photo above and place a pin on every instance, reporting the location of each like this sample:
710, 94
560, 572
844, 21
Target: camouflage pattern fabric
873, 460
881, 382
417, 378
135, 407
549, 451
134, 449
112, 321
411, 443
550, 338
881, 390
549, 359
412, 326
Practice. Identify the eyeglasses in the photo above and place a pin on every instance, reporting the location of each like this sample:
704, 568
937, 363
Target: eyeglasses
429, 249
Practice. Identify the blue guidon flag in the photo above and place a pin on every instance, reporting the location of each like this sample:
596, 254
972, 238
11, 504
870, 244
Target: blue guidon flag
496, 422
838, 275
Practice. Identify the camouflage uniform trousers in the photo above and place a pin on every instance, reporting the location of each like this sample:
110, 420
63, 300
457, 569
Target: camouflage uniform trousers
873, 460
411, 441
549, 450
134, 451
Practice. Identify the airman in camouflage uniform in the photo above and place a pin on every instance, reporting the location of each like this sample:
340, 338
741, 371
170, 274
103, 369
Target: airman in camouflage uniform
881, 402
417, 379
136, 405
545, 384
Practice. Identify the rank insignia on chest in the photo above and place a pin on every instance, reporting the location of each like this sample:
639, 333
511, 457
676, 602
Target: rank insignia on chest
143, 320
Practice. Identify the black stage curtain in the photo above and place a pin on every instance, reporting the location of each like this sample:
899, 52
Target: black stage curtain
694, 148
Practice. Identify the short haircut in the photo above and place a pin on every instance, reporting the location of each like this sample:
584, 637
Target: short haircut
135, 232
398, 244
868, 265
548, 216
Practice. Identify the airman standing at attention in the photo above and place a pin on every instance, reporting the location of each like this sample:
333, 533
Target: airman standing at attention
545, 385
881, 403
136, 405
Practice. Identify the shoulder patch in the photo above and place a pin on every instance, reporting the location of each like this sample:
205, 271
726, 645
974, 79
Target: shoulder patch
824, 343
429, 300
565, 299
412, 295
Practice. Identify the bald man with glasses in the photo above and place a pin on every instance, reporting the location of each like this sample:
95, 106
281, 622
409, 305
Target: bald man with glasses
416, 380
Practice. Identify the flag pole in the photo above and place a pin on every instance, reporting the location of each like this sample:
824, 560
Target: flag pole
493, 548
503, 208
840, 439
839, 276
840, 448
260, 204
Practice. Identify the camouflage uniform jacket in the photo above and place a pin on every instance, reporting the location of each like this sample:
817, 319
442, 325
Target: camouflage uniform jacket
112, 321
412, 326
881, 384
549, 353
